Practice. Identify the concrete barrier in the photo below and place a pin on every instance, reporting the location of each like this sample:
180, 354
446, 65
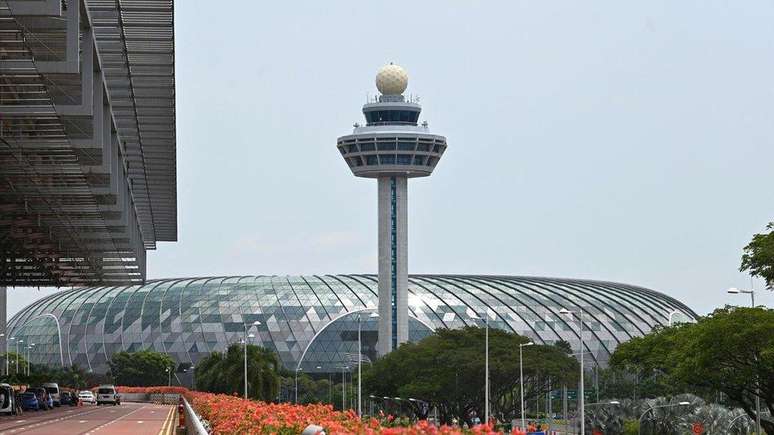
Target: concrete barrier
134, 397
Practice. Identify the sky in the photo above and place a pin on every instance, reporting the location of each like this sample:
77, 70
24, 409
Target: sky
618, 141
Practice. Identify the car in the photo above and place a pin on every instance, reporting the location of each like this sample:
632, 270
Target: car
44, 399
86, 396
29, 401
53, 390
66, 398
7, 400
108, 394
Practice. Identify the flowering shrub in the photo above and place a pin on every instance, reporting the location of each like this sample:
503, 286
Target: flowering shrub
234, 415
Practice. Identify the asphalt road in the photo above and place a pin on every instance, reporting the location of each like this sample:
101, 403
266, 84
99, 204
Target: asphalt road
128, 418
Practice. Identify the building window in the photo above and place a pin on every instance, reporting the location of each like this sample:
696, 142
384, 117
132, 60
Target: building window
385, 146
406, 146
387, 159
404, 159
371, 161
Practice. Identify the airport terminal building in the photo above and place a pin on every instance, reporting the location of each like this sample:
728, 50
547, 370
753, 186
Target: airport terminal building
312, 321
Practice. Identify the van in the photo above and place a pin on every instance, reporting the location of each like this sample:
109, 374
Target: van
107, 394
7, 400
53, 390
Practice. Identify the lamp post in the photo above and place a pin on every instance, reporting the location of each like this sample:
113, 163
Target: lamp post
169, 376
373, 315
7, 362
244, 346
17, 355
192, 368
298, 369
521, 380
30, 346
639, 430
343, 388
751, 292
581, 393
486, 365
2, 335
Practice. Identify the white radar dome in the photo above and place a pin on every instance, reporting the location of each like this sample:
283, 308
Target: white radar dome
391, 80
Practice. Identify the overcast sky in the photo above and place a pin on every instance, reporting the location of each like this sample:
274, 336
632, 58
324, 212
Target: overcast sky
602, 140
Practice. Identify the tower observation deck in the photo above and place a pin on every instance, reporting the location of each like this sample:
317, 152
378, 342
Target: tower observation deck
392, 147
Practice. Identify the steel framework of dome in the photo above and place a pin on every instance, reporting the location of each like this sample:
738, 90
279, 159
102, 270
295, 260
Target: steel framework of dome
311, 321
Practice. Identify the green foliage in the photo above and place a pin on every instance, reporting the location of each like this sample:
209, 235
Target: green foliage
223, 372
758, 256
726, 352
631, 427
140, 369
446, 369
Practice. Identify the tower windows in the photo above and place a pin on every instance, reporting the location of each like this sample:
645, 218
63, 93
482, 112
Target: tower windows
406, 146
385, 146
387, 159
404, 159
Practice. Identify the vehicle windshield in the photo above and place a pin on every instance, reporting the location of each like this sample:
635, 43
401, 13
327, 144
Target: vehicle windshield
28, 395
52, 390
85, 393
106, 391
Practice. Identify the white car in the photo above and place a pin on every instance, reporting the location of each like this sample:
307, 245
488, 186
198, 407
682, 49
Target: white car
86, 396
53, 390
108, 394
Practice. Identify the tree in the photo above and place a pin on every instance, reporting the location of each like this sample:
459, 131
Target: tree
223, 372
140, 369
758, 256
446, 370
727, 351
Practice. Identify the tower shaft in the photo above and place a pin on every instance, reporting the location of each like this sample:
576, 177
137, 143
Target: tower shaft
393, 262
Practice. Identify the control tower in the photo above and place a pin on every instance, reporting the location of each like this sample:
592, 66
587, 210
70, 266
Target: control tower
391, 147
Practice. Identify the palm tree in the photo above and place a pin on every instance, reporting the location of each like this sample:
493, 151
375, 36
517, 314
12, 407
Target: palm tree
223, 372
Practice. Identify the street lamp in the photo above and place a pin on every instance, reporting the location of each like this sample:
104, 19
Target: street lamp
486, 365
7, 368
639, 430
18, 342
30, 346
373, 315
192, 368
169, 376
298, 369
581, 392
256, 323
2, 335
751, 292
521, 380
736, 291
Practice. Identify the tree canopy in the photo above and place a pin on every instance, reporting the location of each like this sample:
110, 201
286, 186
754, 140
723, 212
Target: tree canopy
446, 370
223, 372
140, 369
758, 256
726, 352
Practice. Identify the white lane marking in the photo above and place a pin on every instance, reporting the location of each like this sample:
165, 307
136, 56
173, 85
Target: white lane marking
140, 422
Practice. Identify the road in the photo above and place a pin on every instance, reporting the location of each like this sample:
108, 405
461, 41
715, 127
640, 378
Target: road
128, 418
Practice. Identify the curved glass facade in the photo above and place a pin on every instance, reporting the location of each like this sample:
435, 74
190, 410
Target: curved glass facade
312, 321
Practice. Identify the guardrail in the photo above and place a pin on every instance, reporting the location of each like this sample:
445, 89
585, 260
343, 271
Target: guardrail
193, 426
